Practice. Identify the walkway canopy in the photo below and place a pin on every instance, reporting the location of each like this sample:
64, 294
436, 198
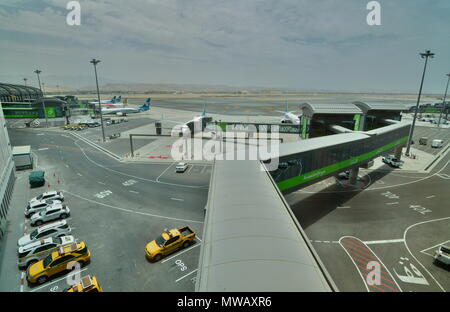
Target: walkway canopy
18, 93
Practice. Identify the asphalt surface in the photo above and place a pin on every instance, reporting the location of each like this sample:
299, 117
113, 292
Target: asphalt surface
430, 133
117, 208
395, 218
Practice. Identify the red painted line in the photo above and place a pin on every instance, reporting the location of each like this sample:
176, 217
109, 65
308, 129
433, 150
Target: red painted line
387, 280
359, 245
363, 272
359, 250
394, 289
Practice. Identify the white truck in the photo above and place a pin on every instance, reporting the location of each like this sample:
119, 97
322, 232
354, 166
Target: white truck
442, 255
393, 162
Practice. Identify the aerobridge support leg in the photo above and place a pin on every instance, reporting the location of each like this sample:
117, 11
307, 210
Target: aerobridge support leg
398, 152
354, 175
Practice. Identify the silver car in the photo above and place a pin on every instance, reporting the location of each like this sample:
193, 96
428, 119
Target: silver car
442, 255
53, 212
37, 206
38, 250
55, 229
49, 196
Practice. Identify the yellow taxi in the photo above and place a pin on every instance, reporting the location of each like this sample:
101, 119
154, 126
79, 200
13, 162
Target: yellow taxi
88, 284
58, 261
168, 242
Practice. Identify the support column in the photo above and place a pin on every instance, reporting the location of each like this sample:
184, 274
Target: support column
354, 175
398, 152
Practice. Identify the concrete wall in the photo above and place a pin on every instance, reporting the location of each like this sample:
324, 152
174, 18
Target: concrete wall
7, 175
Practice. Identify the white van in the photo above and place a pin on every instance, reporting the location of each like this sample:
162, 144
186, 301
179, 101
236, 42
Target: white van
437, 143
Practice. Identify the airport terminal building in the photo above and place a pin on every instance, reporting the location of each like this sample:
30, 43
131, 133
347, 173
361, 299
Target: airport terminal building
7, 175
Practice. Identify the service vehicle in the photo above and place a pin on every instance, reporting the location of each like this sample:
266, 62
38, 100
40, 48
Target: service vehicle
53, 212
58, 261
442, 255
168, 242
37, 206
37, 178
48, 195
37, 250
423, 141
55, 229
393, 162
344, 175
437, 143
88, 284
181, 167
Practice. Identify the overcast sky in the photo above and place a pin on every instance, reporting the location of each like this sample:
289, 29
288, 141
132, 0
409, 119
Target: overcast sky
300, 44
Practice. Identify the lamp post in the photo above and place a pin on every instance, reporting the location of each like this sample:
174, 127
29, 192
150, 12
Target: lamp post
37, 72
443, 102
95, 62
425, 55
25, 80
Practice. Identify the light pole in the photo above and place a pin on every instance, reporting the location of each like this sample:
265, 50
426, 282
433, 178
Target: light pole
443, 103
95, 62
25, 80
37, 71
425, 55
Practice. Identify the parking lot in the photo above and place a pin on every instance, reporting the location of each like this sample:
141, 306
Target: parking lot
116, 209
431, 133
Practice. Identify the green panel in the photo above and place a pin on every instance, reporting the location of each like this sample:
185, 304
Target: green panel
22, 116
50, 112
223, 126
357, 119
295, 181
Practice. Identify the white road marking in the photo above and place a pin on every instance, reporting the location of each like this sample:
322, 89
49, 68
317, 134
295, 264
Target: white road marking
186, 275
67, 166
180, 253
101, 183
58, 280
387, 241
136, 177
444, 176
178, 199
431, 196
131, 211
392, 203
157, 179
426, 249
43, 149
343, 207
79, 174
134, 192
407, 248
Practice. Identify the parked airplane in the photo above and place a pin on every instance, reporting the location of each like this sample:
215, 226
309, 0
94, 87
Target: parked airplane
113, 102
184, 128
120, 111
289, 116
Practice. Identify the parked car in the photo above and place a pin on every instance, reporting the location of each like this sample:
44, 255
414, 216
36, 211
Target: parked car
181, 167
35, 251
54, 212
57, 262
393, 162
87, 284
48, 195
442, 256
37, 206
55, 229
437, 143
344, 175
168, 242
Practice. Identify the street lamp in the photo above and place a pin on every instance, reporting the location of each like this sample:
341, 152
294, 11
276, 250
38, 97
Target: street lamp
95, 62
443, 103
37, 72
25, 80
425, 55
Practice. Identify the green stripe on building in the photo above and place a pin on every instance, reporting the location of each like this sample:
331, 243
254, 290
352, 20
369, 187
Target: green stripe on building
306, 177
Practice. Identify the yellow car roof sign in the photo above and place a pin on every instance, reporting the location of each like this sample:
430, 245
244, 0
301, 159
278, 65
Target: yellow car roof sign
86, 282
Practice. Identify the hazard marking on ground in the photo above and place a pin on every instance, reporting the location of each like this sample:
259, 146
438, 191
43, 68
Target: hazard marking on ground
363, 258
